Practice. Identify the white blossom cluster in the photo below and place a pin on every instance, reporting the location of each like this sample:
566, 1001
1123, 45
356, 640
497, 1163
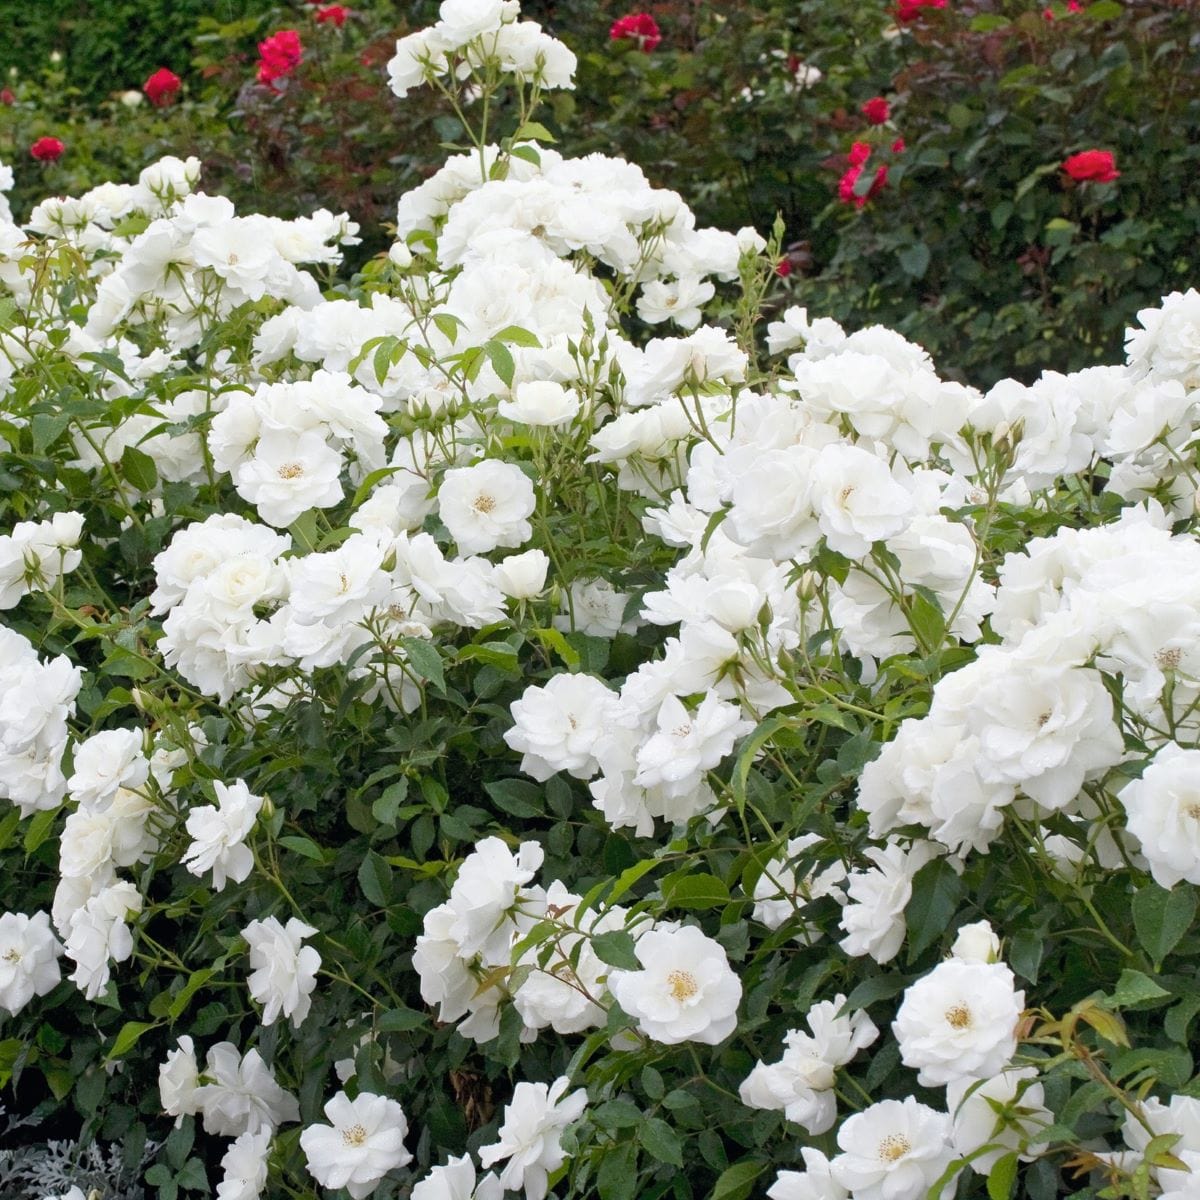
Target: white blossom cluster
386, 465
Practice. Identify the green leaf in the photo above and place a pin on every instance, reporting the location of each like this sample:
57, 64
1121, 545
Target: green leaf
1002, 1177
914, 259
39, 829
193, 1176
424, 660
617, 1114
386, 807
528, 153
8, 827
448, 324
533, 131
617, 1178
514, 335
138, 467
871, 991
1162, 917
696, 891
127, 1038
553, 639
501, 359
1104, 10
616, 949
629, 877
1025, 954
47, 428
1135, 988
401, 1020
736, 1181
926, 620
196, 980
936, 894
375, 879
517, 797
303, 846
660, 1141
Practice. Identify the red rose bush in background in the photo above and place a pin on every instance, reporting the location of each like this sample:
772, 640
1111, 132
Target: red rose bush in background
279, 55
162, 87
1091, 166
47, 149
640, 28
459, 740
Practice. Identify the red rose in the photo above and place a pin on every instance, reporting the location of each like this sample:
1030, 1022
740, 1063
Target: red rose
783, 268
637, 27
47, 149
333, 13
898, 146
908, 11
279, 55
162, 87
7, 97
877, 110
859, 153
1091, 166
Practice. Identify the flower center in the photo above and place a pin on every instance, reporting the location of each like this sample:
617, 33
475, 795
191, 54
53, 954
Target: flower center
1043, 718
683, 984
290, 470
682, 731
894, 1146
846, 493
959, 1017
1192, 810
354, 1136
1168, 660
12, 955
484, 503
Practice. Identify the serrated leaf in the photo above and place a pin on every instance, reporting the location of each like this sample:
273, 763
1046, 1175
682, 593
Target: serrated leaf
514, 335
533, 131
735, 1182
127, 1038
303, 846
39, 829
871, 991
517, 797
448, 324
660, 1141
501, 359
616, 949
1135, 988
1162, 917
914, 260
697, 891
138, 467
936, 893
375, 879
1002, 1178
424, 660
196, 980
401, 1020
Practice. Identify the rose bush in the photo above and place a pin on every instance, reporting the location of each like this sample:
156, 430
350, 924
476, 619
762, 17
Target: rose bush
457, 739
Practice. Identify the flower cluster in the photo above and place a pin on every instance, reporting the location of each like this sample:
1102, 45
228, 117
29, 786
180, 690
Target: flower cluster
512, 704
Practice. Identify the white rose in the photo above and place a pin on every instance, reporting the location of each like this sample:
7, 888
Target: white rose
686, 990
959, 1022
